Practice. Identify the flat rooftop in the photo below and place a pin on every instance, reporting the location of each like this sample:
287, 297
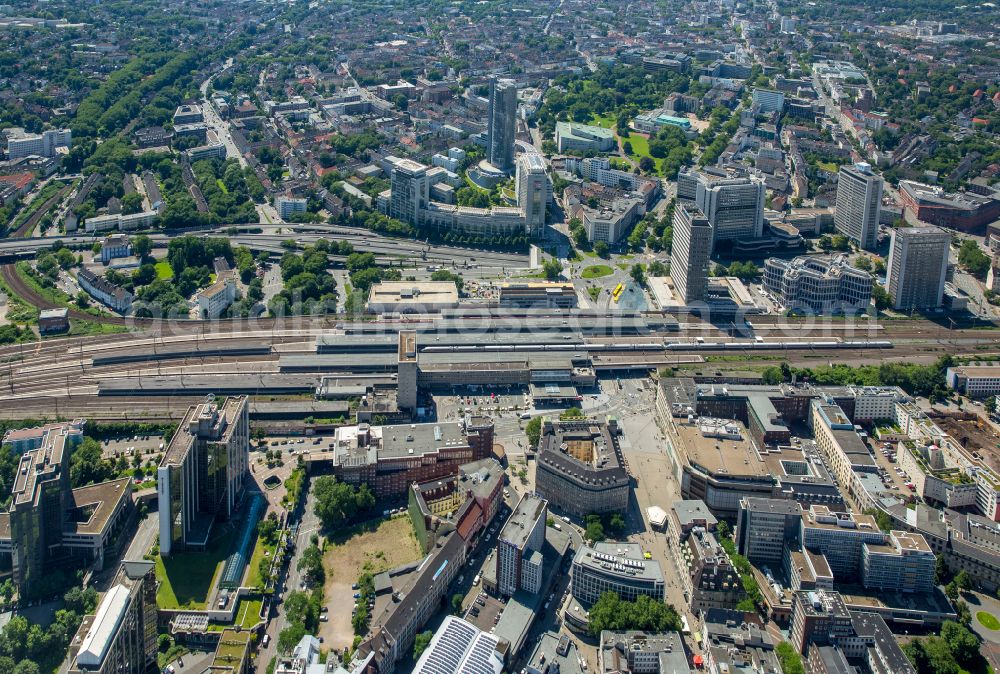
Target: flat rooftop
519, 525
718, 455
619, 558
406, 439
94, 505
414, 293
692, 511
221, 417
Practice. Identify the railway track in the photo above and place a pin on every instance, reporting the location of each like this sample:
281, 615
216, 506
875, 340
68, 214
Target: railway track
36, 217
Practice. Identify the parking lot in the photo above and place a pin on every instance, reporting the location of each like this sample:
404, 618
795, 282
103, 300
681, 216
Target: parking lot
144, 445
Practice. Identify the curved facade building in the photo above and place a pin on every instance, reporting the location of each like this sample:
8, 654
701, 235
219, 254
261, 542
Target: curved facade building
580, 467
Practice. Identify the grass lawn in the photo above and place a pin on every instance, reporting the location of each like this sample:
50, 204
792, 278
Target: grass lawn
603, 121
248, 612
253, 575
222, 185
597, 271
186, 578
988, 620
78, 328
640, 148
164, 271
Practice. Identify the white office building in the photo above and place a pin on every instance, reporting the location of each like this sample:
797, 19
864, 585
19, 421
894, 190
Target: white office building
21, 144
533, 190
975, 381
859, 200
734, 207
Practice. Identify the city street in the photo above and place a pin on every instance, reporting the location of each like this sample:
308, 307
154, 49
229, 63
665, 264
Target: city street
289, 581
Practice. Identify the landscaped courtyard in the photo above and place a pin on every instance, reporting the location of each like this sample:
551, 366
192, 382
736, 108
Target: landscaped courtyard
186, 578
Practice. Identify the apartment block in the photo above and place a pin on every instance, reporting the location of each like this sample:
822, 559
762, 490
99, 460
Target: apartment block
918, 267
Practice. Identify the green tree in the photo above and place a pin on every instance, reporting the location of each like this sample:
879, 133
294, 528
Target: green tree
638, 274
551, 268
290, 637
311, 564
722, 530
533, 429
131, 203
602, 249
421, 642
772, 375
456, 603
337, 503
791, 662
267, 529
881, 297
87, 466
963, 644
142, 246
610, 612
972, 257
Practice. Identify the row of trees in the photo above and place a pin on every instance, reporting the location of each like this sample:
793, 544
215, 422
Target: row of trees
920, 380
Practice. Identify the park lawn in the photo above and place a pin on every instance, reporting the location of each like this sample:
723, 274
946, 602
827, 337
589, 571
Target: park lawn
603, 121
373, 546
640, 148
597, 271
988, 620
222, 185
164, 271
186, 578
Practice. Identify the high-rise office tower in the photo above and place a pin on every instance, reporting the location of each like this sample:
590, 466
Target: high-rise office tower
734, 207
859, 200
501, 124
918, 263
410, 191
201, 476
691, 250
532, 190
